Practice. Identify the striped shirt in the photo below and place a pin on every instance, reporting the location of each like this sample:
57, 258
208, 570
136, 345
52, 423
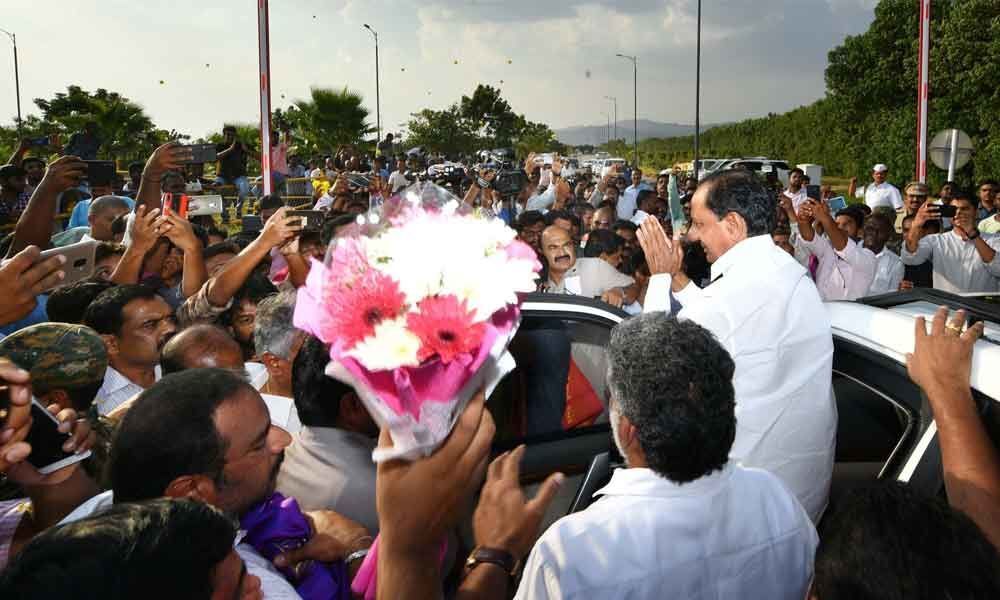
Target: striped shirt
11, 512
117, 389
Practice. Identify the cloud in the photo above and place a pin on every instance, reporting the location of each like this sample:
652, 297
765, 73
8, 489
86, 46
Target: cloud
556, 61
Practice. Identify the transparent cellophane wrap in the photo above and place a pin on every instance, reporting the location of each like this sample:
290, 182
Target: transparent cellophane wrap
427, 270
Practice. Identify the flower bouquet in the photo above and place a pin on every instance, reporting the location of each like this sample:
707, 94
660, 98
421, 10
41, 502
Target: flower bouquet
418, 305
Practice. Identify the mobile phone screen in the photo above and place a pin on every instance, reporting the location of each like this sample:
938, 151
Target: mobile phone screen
836, 204
312, 220
178, 204
45, 438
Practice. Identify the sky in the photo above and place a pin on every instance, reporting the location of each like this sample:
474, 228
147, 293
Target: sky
192, 64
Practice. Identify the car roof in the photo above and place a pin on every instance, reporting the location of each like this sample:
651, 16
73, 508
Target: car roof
885, 324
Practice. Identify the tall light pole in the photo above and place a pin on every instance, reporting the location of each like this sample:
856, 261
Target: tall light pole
635, 107
607, 131
17, 79
615, 101
697, 96
378, 101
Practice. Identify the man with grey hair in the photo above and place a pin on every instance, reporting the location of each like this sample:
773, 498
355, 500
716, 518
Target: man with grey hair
277, 341
101, 213
694, 522
764, 308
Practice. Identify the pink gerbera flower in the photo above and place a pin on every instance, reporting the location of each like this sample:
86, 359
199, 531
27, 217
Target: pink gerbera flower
356, 305
446, 328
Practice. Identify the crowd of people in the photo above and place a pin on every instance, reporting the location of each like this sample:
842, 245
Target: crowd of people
203, 452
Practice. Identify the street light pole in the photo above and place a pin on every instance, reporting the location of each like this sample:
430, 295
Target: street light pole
635, 106
378, 101
17, 80
614, 100
607, 129
697, 97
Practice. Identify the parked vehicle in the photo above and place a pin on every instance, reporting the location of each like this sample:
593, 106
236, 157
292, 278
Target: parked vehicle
886, 429
758, 164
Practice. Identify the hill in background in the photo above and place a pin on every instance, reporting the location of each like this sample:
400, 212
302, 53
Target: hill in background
593, 135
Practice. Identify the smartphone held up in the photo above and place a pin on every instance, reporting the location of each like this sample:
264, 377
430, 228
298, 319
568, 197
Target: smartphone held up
47, 453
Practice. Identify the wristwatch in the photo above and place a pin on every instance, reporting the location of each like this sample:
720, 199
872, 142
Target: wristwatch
493, 556
973, 235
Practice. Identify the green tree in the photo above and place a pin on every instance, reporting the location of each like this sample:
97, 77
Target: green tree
490, 116
483, 121
869, 112
535, 137
443, 131
127, 132
328, 119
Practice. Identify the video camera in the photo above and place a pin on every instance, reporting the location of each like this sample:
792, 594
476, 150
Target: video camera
446, 173
509, 180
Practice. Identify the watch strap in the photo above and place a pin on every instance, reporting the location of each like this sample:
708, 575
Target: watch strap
501, 558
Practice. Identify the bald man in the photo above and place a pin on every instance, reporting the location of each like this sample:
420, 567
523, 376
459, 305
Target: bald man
590, 277
206, 346
101, 213
199, 347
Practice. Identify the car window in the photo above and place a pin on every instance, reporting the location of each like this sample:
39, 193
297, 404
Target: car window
879, 416
559, 384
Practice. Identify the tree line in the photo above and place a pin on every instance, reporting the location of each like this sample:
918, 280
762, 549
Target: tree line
318, 125
868, 114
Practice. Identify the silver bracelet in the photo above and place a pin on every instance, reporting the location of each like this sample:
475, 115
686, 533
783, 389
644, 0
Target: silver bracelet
358, 555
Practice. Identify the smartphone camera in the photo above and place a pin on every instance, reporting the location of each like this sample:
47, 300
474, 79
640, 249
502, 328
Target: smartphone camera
47, 454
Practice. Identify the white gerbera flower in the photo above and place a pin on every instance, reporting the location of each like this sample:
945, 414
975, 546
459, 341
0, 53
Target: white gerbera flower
392, 346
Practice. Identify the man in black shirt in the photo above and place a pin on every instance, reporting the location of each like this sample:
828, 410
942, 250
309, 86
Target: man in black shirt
233, 154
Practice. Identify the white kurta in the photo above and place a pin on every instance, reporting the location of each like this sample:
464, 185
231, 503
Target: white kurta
738, 533
842, 274
766, 312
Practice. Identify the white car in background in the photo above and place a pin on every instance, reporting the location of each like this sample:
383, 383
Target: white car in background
758, 164
886, 430
707, 165
607, 163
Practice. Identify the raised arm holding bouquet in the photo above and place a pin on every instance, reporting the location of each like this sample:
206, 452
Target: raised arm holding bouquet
418, 308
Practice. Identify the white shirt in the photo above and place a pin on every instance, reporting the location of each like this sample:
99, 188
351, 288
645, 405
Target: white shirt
798, 198
325, 202
282, 412
737, 533
883, 194
397, 181
842, 274
542, 202
889, 272
957, 264
990, 224
767, 314
273, 585
627, 203
116, 389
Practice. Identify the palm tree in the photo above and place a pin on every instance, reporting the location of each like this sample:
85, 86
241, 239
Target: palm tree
330, 118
